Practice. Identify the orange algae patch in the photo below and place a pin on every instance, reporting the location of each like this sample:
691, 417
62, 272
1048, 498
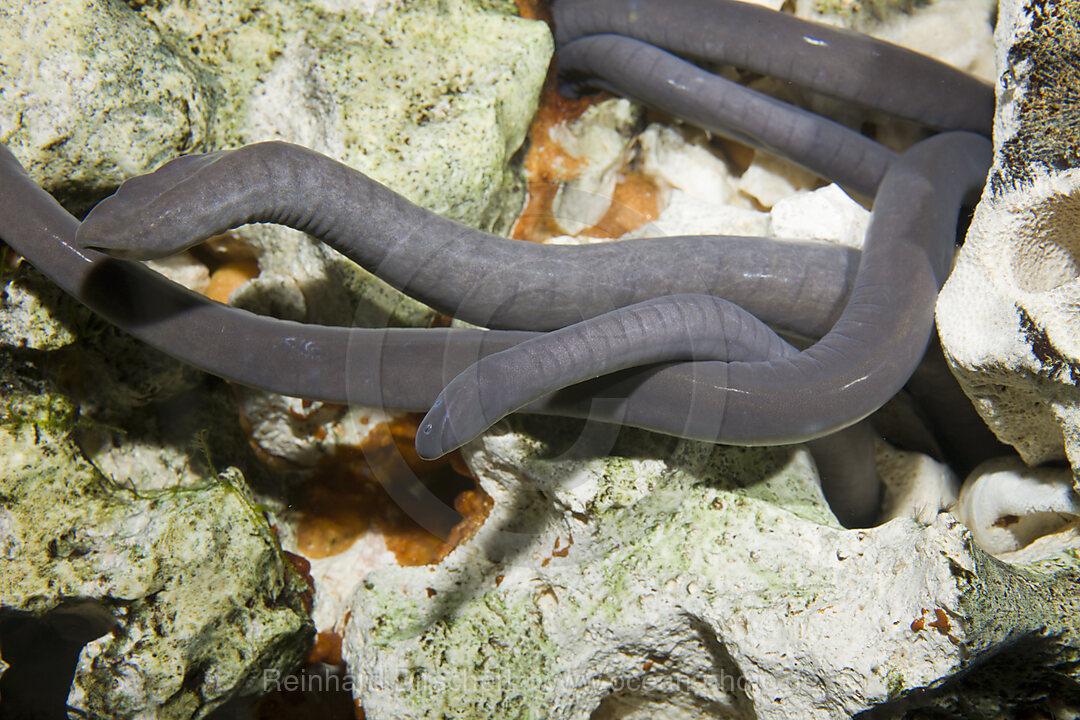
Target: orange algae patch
228, 277
533, 10
547, 164
347, 497
327, 649
941, 623
635, 202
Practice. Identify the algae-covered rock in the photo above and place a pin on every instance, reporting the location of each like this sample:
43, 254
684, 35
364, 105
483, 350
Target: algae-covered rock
90, 94
678, 579
180, 599
430, 98
148, 421
27, 305
433, 99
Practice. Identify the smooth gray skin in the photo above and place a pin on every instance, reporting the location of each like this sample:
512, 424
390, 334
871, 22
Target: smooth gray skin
402, 369
836, 62
673, 327
801, 287
397, 368
863, 361
334, 364
798, 287
654, 77
792, 406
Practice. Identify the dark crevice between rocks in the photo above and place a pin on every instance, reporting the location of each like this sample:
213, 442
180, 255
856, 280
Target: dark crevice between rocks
42, 652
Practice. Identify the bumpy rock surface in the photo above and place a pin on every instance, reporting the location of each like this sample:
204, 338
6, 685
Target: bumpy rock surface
90, 93
431, 98
685, 580
165, 604
1008, 315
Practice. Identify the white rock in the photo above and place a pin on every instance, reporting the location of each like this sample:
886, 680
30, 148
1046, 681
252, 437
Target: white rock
90, 93
1008, 315
699, 191
827, 213
769, 178
694, 577
336, 578
916, 486
688, 215
599, 139
687, 165
183, 269
1008, 506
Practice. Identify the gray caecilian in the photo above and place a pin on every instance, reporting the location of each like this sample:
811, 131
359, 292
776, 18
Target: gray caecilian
725, 378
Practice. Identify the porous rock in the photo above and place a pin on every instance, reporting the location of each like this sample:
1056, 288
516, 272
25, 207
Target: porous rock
163, 604
1008, 314
148, 421
684, 580
90, 93
1011, 508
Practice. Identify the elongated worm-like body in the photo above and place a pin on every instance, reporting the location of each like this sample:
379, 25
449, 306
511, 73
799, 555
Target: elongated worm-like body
863, 361
481, 278
833, 61
712, 383
654, 77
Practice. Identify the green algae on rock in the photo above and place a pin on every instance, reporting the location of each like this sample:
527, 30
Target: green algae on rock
90, 94
689, 580
191, 582
430, 98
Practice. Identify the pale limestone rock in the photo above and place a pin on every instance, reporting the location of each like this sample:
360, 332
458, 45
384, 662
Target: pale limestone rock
675, 579
91, 93
916, 486
26, 301
768, 179
184, 270
431, 99
337, 577
687, 164
146, 422
688, 215
1009, 506
827, 213
1007, 316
